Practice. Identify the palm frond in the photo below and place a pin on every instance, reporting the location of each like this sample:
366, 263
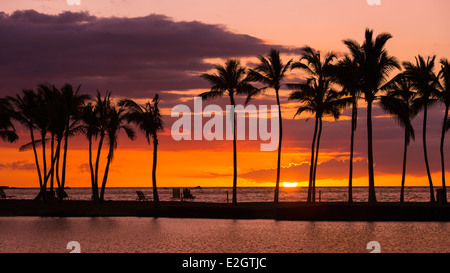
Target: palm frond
212, 94
9, 136
28, 146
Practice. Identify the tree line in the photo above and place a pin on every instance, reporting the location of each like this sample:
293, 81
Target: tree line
53, 115
331, 85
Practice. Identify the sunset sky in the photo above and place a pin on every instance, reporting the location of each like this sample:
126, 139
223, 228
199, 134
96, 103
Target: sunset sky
136, 48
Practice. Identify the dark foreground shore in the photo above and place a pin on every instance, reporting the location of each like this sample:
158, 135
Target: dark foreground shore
258, 210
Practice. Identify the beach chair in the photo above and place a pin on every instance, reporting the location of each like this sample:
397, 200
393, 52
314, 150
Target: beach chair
4, 196
141, 196
187, 194
176, 194
62, 194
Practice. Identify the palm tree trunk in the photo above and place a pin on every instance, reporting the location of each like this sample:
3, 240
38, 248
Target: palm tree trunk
442, 150
36, 160
91, 168
277, 184
233, 116
52, 174
58, 155
64, 164
155, 153
425, 153
352, 141
97, 161
44, 160
372, 196
311, 167
405, 150
105, 176
315, 161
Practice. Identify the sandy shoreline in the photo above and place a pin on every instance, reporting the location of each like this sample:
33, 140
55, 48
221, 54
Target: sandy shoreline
258, 210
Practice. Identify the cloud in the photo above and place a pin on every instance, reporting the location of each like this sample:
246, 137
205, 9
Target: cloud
132, 57
84, 168
22, 165
331, 169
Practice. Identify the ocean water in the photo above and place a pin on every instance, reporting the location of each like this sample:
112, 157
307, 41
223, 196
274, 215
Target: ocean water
248, 194
172, 235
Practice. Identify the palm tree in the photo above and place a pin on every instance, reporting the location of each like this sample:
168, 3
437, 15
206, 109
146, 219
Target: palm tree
271, 72
444, 96
95, 118
74, 103
91, 130
317, 98
49, 110
425, 82
102, 108
7, 130
46, 114
116, 119
231, 79
347, 74
374, 64
103, 121
25, 113
399, 103
55, 110
149, 121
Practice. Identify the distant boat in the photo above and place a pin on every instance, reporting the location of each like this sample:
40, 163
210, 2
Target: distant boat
198, 187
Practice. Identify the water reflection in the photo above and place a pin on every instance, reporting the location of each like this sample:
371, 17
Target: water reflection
152, 235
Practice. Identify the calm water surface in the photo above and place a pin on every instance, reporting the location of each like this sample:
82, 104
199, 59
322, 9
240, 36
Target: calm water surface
247, 194
155, 235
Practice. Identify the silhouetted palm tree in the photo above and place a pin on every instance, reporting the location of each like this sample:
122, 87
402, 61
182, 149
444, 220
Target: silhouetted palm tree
103, 121
399, 103
317, 98
74, 103
271, 72
46, 103
148, 120
25, 113
101, 109
374, 64
48, 113
115, 122
347, 74
425, 82
91, 130
444, 96
231, 80
56, 112
48, 110
7, 130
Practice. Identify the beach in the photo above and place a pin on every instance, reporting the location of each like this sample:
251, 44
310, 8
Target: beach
300, 211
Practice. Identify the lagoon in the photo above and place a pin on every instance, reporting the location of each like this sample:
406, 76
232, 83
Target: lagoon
174, 235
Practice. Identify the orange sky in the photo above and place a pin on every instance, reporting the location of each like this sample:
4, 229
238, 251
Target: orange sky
418, 27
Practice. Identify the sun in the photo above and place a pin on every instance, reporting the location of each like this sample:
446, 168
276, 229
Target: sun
290, 184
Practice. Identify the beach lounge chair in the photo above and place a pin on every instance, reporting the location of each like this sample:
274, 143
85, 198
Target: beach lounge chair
4, 196
141, 196
187, 194
176, 194
62, 194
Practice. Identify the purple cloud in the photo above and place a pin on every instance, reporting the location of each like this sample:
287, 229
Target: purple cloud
130, 56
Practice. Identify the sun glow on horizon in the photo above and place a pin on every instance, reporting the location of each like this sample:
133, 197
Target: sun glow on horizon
290, 184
